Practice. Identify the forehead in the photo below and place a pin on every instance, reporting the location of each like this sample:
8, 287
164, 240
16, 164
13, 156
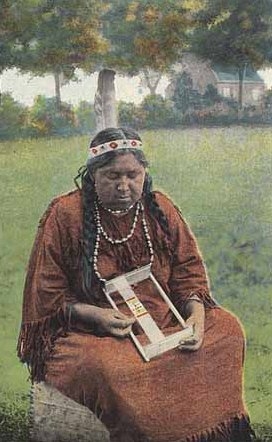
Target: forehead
122, 163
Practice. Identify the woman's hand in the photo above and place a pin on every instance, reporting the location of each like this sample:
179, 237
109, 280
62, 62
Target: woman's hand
103, 321
113, 322
196, 318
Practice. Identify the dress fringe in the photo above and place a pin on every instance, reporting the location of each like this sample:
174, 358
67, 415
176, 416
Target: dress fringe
236, 429
36, 342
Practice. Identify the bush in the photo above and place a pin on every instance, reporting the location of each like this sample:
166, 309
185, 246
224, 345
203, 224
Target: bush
158, 111
154, 111
12, 117
130, 115
85, 117
45, 118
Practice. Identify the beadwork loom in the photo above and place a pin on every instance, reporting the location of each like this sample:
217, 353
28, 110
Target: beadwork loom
158, 342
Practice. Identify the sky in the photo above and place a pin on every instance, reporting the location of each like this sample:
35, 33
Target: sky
25, 87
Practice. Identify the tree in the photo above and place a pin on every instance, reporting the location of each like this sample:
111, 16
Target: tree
144, 37
150, 79
63, 35
236, 33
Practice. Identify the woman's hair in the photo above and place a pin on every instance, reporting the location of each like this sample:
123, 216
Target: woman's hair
89, 194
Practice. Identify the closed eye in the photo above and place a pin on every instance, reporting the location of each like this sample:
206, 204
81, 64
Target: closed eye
132, 175
112, 175
116, 175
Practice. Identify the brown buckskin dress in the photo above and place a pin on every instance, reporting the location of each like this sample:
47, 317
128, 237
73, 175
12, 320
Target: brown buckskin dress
178, 396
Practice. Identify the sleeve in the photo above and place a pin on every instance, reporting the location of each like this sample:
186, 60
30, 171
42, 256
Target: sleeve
46, 293
188, 272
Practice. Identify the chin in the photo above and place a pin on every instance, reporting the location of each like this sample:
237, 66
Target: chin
122, 203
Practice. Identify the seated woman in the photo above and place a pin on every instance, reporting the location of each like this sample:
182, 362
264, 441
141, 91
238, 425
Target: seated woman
72, 338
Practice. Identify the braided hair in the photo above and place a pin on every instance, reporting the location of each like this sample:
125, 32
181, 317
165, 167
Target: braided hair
89, 195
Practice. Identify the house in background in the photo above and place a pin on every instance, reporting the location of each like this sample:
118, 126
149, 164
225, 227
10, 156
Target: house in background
224, 78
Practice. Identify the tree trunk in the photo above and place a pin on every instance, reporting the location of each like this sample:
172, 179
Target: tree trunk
152, 89
57, 90
151, 80
105, 100
242, 73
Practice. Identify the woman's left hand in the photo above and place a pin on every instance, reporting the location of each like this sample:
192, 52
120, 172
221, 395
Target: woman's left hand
196, 319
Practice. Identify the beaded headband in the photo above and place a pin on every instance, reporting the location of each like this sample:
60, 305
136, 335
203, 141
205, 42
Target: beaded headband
95, 151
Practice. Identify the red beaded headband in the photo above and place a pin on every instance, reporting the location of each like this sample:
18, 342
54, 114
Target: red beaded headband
113, 145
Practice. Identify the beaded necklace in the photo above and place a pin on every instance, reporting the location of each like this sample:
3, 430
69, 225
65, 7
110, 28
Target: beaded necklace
115, 211
101, 230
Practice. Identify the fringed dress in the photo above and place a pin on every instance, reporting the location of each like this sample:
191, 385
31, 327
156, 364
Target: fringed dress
176, 397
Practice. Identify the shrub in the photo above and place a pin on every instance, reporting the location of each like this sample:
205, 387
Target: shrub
45, 118
12, 117
85, 117
158, 112
130, 115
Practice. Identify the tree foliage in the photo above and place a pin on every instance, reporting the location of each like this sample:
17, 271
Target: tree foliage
66, 34
237, 33
145, 34
15, 22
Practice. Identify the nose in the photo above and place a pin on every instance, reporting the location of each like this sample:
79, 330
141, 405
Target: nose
123, 185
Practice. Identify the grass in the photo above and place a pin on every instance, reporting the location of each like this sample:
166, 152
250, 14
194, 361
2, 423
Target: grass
220, 178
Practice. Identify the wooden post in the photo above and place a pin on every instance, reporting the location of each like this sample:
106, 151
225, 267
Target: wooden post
105, 100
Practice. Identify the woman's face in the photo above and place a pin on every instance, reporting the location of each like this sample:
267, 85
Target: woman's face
120, 184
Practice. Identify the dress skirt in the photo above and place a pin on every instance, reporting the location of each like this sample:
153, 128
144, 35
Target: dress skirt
178, 396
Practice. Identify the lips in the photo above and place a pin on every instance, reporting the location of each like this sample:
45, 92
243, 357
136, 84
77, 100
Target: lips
124, 197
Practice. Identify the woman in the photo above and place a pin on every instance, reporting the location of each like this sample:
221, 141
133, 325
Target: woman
74, 340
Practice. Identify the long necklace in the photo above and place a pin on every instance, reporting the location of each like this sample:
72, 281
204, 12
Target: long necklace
109, 238
100, 230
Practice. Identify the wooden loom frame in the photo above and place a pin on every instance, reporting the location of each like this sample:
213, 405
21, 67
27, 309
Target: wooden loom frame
158, 342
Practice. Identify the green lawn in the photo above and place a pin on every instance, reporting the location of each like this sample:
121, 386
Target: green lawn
220, 178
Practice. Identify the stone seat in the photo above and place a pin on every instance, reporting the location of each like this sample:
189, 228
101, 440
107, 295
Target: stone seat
57, 418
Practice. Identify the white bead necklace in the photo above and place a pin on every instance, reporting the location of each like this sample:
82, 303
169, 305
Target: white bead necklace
100, 230
104, 233
116, 211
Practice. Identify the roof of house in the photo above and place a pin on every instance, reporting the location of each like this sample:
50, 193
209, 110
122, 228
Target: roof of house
230, 74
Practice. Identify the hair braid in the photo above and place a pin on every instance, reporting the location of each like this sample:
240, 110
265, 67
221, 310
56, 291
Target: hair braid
154, 207
89, 230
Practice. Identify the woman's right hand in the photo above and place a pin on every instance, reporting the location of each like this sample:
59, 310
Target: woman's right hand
103, 321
